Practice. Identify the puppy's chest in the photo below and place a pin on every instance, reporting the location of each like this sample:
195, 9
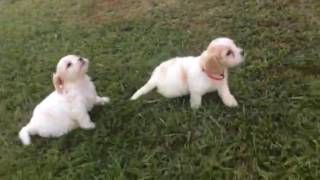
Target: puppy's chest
84, 94
89, 94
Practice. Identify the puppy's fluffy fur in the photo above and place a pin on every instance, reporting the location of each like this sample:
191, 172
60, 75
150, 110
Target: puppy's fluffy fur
67, 107
197, 75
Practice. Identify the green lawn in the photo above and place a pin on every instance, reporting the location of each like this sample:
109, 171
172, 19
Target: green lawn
273, 134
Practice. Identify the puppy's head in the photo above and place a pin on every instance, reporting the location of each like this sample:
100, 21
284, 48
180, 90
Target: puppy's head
221, 53
69, 69
226, 52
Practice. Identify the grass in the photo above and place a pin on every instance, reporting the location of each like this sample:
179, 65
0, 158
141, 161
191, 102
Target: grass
274, 134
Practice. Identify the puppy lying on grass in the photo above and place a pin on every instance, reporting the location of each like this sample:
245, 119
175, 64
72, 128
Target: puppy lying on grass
67, 107
197, 75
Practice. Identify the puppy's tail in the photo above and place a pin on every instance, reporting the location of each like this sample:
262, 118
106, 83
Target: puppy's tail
151, 84
24, 135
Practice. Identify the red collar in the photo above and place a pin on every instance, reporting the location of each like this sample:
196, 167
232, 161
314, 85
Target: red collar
218, 77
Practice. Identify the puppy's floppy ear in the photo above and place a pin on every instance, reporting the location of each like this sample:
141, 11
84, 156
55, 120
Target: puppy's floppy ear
57, 83
212, 63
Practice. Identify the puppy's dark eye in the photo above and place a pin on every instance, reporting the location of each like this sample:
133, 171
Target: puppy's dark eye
69, 64
229, 53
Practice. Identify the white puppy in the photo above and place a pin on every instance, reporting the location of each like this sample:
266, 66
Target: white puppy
197, 75
67, 107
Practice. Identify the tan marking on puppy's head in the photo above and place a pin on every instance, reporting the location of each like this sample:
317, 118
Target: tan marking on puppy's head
212, 59
69, 69
57, 83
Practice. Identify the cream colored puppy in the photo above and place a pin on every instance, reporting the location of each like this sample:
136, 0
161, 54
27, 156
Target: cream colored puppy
197, 75
67, 107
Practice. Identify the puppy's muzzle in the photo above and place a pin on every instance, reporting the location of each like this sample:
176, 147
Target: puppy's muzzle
82, 61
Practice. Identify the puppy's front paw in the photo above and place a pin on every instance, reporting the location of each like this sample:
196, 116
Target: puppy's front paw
195, 101
89, 125
195, 106
230, 101
103, 100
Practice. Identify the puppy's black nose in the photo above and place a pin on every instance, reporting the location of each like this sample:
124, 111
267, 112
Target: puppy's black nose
242, 53
80, 59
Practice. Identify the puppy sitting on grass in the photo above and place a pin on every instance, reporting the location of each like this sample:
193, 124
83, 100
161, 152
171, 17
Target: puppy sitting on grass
197, 75
67, 107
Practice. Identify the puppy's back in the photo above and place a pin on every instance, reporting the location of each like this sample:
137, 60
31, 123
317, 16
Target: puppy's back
172, 76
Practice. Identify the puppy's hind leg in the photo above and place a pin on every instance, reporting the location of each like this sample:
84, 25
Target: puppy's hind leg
85, 122
151, 84
195, 100
83, 118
